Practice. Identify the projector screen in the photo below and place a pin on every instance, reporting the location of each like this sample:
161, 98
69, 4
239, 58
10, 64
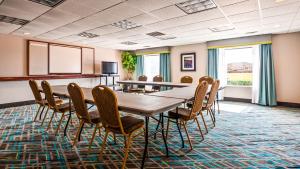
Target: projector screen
64, 59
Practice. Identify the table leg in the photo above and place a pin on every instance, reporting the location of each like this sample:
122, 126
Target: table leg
70, 116
157, 126
163, 133
146, 141
80, 132
42, 112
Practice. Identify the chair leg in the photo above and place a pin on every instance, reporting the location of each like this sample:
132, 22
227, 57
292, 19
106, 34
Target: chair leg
103, 145
168, 124
77, 134
60, 121
126, 151
199, 127
45, 116
179, 130
37, 113
51, 120
211, 116
187, 134
204, 121
93, 136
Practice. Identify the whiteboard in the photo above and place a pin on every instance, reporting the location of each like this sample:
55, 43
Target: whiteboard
87, 61
38, 58
64, 59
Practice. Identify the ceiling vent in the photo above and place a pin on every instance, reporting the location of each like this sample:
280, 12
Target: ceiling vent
125, 24
160, 36
12, 20
194, 6
155, 34
128, 43
50, 3
222, 28
87, 35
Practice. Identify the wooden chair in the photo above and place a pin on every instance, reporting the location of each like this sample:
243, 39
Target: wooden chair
140, 88
107, 105
211, 98
183, 115
186, 79
39, 100
57, 108
84, 116
209, 79
157, 78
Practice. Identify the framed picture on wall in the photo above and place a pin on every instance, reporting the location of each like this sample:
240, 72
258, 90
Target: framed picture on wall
188, 62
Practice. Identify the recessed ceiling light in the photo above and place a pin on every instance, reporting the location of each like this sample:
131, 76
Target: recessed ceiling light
125, 24
26, 33
222, 28
277, 26
87, 35
194, 6
160, 35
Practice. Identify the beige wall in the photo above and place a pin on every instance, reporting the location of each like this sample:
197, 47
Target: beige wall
13, 62
286, 54
201, 61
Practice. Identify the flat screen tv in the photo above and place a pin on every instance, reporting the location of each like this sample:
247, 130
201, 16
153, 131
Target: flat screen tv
109, 67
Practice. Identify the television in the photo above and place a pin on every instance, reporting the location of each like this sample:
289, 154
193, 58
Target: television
109, 67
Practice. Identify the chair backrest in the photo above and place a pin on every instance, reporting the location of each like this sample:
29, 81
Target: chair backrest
186, 79
142, 78
107, 105
157, 78
213, 92
199, 97
48, 94
78, 101
35, 90
206, 78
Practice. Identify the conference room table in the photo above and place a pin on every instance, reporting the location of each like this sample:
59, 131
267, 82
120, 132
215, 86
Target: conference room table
143, 105
166, 84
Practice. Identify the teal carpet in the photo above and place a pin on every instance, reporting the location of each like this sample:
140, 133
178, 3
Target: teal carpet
246, 136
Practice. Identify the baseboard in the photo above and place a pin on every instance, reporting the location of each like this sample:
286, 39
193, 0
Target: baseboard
237, 99
16, 104
288, 104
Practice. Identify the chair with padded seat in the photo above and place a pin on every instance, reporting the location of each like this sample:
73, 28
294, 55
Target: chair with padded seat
157, 78
140, 88
39, 100
57, 108
81, 110
186, 79
183, 115
210, 101
107, 105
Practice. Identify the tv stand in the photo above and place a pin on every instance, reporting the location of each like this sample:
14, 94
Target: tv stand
106, 76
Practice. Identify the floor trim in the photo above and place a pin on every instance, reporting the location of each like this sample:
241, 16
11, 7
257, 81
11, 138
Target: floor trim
16, 104
289, 104
237, 99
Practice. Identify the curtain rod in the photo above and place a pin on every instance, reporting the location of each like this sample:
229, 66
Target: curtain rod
241, 44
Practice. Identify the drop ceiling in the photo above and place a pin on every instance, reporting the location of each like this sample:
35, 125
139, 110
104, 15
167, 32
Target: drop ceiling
70, 18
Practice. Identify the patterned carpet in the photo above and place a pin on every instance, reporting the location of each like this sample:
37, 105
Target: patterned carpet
246, 136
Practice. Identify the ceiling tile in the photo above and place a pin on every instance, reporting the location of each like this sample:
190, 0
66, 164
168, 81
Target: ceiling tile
228, 2
105, 30
244, 16
144, 19
149, 5
168, 12
280, 10
273, 3
7, 27
242, 7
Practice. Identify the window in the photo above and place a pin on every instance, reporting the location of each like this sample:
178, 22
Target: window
238, 64
151, 66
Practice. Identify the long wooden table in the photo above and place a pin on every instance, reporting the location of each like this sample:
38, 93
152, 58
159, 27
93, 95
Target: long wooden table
143, 105
167, 84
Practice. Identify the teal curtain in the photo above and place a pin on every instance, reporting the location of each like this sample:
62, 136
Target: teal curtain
139, 71
267, 90
165, 66
213, 61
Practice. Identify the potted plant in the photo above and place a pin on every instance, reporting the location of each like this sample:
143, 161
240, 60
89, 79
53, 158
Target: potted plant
128, 62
